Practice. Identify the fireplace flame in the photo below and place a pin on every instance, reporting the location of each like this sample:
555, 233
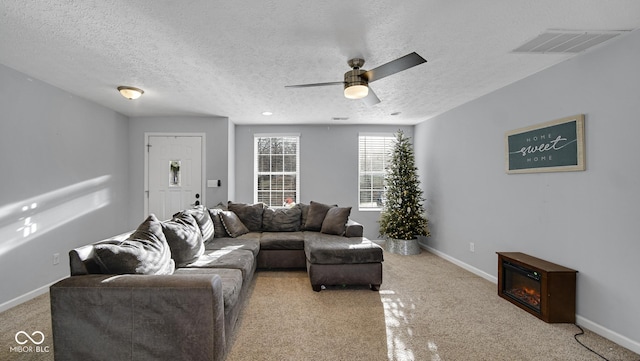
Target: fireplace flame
529, 291
527, 295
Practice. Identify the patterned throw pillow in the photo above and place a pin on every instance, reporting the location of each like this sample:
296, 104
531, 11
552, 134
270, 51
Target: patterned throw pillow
233, 224
145, 251
218, 228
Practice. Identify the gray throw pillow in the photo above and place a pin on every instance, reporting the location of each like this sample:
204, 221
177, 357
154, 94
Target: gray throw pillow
305, 212
218, 228
184, 238
145, 251
249, 214
232, 224
315, 217
202, 216
336, 220
281, 219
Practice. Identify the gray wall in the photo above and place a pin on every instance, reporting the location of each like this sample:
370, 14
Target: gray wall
66, 160
583, 220
216, 141
328, 165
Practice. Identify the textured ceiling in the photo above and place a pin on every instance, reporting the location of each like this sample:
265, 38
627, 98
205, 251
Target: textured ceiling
233, 59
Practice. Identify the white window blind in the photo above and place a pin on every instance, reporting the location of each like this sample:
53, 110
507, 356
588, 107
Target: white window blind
277, 169
373, 156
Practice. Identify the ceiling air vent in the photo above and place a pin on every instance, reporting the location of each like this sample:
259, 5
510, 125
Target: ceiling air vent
566, 41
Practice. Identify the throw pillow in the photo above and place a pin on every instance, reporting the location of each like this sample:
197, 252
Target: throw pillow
145, 251
317, 212
335, 221
184, 238
202, 216
305, 212
249, 214
232, 224
281, 219
218, 228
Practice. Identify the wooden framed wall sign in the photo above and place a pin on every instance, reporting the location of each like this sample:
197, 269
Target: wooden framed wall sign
555, 146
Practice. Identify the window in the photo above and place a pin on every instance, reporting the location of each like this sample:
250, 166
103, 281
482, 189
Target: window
277, 169
374, 152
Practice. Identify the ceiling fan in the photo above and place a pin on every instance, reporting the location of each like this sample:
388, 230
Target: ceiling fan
356, 81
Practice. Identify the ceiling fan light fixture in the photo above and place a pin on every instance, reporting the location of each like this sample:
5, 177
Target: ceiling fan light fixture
357, 91
355, 85
130, 92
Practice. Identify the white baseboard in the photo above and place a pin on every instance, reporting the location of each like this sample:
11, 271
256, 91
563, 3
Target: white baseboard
584, 322
608, 334
27, 296
461, 264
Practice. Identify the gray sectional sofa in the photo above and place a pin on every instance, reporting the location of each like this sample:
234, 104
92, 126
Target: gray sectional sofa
173, 289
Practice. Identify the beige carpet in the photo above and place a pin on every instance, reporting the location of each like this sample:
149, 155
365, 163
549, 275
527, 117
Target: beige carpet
427, 309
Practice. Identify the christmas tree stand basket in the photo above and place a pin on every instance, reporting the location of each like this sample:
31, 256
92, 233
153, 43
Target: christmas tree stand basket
403, 247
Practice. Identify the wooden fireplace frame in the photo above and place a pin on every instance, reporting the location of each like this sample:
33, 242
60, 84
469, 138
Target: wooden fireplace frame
557, 287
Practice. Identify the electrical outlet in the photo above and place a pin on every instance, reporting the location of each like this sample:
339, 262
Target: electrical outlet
472, 247
56, 258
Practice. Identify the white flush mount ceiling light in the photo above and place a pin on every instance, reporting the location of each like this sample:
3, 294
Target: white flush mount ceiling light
130, 92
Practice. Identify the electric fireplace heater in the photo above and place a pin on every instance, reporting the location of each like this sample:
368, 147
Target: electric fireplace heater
544, 289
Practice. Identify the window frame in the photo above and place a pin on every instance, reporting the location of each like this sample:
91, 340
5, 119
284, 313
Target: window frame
388, 144
257, 173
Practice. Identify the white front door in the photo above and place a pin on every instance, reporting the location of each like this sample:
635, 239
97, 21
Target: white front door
174, 175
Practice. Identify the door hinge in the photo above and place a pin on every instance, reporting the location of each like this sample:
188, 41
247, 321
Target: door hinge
149, 146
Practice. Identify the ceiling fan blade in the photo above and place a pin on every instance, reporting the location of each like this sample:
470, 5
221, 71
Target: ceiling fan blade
371, 99
394, 66
314, 84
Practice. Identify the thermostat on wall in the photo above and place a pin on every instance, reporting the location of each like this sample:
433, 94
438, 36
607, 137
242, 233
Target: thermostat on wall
211, 183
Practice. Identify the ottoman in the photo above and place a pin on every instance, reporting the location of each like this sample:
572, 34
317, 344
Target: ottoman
337, 260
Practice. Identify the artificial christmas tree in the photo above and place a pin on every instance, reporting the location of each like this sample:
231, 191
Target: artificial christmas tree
403, 217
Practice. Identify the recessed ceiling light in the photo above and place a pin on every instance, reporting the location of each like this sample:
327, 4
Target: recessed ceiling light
267, 113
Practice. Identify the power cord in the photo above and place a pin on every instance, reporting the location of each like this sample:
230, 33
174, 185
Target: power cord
585, 346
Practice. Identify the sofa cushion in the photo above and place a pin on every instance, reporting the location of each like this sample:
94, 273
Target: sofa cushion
145, 251
248, 241
336, 220
231, 282
219, 258
202, 216
281, 219
322, 248
184, 238
249, 214
232, 224
282, 240
315, 217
